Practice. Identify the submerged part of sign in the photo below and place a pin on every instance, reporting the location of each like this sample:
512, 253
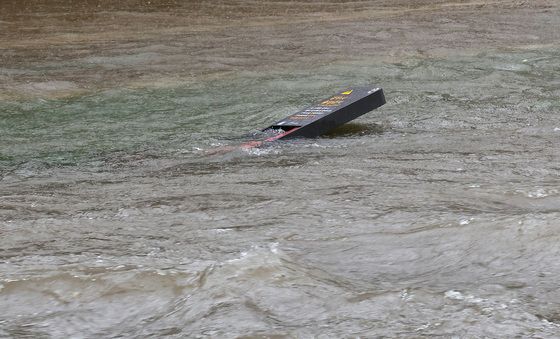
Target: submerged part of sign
320, 118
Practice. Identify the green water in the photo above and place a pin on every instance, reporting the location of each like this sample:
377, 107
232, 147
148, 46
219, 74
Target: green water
478, 92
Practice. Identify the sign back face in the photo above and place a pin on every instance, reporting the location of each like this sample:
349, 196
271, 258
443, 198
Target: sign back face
332, 112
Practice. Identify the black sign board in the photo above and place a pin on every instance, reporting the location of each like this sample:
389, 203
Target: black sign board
329, 113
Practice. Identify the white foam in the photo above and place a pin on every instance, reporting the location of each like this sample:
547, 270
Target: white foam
454, 295
465, 221
539, 193
471, 299
256, 252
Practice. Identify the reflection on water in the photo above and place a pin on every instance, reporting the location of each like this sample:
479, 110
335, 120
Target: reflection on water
435, 215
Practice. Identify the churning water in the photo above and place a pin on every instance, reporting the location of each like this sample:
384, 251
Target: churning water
436, 215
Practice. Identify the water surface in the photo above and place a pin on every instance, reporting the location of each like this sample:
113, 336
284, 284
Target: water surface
435, 215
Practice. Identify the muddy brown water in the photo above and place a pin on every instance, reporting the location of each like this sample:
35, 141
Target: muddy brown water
435, 215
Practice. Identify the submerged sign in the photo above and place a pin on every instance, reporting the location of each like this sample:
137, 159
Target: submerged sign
329, 113
322, 117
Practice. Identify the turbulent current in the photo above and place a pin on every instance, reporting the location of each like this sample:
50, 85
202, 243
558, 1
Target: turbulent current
437, 214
